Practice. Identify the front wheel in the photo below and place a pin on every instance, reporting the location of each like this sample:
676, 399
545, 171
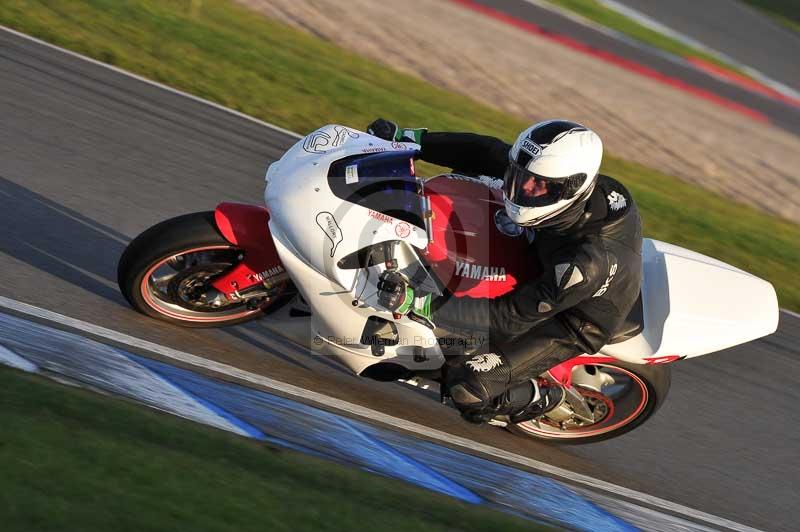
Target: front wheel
166, 273
619, 397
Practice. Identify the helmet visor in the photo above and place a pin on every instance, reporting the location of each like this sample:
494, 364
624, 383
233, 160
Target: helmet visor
526, 189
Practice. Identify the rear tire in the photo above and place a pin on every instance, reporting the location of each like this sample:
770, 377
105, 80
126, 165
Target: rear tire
190, 235
656, 381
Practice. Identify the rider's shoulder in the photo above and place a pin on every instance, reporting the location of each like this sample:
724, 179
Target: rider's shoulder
616, 196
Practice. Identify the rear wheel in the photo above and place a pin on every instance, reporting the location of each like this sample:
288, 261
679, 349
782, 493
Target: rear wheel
619, 397
166, 272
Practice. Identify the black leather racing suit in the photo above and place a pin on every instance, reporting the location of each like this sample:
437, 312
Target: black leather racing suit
592, 272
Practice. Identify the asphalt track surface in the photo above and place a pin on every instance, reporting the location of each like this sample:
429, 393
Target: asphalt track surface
89, 158
779, 113
731, 27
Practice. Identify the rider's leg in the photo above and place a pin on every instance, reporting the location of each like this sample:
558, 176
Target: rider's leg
502, 380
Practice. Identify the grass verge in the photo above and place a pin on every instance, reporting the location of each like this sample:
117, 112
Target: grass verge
605, 16
73, 460
230, 55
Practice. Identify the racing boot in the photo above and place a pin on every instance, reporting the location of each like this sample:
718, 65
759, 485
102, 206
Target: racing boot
481, 388
543, 397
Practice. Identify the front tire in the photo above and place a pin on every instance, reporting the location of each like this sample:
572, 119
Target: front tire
637, 392
165, 272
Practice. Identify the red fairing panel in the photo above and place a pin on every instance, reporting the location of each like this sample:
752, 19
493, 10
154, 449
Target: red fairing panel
468, 253
246, 227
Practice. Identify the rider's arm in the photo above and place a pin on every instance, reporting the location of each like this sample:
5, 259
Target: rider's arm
466, 152
568, 280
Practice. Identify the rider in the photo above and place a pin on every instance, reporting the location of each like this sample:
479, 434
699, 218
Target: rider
588, 237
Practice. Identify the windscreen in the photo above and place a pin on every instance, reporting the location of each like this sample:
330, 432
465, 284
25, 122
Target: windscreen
384, 182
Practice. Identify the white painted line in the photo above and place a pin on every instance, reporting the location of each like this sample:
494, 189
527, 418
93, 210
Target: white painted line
790, 313
614, 34
583, 21
151, 82
10, 358
374, 415
641, 517
660, 28
651, 23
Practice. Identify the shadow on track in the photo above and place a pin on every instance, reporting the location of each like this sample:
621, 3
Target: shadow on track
255, 334
59, 241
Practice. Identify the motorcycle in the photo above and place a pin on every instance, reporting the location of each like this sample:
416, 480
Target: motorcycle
343, 207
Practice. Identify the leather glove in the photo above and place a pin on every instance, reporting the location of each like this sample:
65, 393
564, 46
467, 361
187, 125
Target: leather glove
394, 292
397, 295
388, 130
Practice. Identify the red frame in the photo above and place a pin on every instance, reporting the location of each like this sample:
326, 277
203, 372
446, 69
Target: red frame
562, 373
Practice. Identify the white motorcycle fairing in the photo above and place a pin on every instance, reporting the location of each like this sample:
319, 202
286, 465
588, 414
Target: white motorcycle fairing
694, 305
313, 229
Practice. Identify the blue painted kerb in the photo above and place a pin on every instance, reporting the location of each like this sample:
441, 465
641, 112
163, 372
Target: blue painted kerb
268, 417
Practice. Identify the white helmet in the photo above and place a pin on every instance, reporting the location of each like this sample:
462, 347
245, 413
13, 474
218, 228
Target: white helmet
552, 166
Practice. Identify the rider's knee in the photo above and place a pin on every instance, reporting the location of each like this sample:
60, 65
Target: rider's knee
475, 381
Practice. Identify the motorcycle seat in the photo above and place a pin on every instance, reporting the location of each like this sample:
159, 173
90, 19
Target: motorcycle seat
633, 324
